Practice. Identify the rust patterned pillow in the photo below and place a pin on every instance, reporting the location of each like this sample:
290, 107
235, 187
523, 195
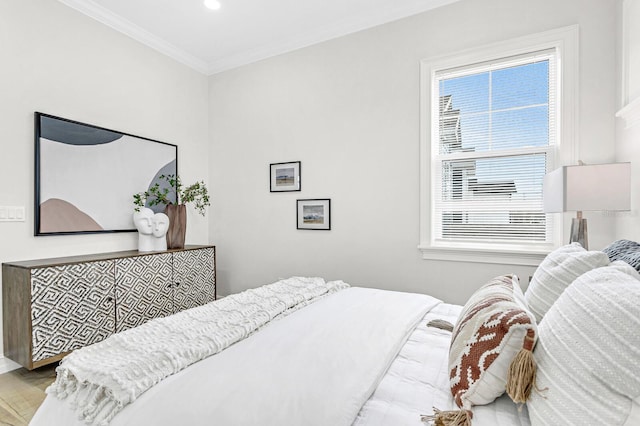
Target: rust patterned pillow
491, 345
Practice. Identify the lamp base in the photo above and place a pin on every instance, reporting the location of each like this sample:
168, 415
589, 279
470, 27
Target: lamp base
579, 232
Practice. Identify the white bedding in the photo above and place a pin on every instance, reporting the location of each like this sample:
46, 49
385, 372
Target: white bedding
418, 380
101, 379
316, 368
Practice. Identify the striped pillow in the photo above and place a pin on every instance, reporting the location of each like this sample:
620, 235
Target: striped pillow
628, 251
588, 352
493, 328
556, 272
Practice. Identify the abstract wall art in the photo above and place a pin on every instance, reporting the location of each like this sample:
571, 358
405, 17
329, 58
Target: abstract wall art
85, 176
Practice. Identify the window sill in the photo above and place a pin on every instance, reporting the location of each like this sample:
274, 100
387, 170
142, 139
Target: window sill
484, 255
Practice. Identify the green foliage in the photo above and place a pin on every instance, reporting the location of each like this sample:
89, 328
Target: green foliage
196, 193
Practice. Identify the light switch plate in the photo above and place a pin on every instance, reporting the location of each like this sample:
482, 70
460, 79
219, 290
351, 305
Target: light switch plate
12, 213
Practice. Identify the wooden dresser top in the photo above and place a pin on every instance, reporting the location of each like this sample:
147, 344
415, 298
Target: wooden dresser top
42, 263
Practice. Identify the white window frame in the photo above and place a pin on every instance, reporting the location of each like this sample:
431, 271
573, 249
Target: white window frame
564, 42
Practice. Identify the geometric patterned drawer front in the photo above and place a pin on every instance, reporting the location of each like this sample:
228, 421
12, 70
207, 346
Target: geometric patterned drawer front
71, 306
143, 289
194, 276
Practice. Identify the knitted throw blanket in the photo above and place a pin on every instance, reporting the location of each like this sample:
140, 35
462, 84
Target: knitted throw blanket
99, 380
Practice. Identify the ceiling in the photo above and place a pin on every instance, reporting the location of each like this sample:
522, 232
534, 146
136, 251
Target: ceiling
242, 31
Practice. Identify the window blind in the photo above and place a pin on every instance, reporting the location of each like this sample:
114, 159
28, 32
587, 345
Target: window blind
495, 126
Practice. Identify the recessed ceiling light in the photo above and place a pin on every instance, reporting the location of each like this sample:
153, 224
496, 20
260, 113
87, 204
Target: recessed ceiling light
212, 4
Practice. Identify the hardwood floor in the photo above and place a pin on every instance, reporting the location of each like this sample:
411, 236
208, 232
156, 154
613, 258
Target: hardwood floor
22, 392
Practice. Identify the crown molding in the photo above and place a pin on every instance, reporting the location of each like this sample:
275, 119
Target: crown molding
339, 29
105, 16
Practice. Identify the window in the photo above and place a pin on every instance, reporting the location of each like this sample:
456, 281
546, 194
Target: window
492, 134
494, 130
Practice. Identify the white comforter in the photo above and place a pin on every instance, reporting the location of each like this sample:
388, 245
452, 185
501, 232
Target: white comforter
101, 379
418, 379
315, 367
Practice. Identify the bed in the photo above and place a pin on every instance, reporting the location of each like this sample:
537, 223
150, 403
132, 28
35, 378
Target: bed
341, 356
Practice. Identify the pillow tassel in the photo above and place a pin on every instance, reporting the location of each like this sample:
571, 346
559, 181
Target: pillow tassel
521, 378
448, 418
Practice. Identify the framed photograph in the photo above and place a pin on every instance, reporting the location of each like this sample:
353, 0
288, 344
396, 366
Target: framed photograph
85, 176
314, 214
285, 176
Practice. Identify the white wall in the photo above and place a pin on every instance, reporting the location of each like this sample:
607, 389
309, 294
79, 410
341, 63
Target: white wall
55, 60
630, 48
628, 139
348, 109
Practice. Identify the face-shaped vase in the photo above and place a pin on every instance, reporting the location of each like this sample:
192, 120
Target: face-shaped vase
143, 221
160, 224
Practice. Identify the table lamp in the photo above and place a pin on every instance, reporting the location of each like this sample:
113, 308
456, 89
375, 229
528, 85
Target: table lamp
587, 187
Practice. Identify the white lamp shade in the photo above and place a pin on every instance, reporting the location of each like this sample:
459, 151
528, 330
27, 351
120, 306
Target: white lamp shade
588, 187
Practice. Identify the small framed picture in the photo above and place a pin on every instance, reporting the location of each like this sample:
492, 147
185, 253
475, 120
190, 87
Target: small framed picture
285, 176
314, 214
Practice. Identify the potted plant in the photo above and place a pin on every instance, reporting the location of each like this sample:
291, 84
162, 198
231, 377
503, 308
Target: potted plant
197, 194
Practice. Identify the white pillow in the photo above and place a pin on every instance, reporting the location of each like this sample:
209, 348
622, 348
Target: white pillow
556, 272
588, 352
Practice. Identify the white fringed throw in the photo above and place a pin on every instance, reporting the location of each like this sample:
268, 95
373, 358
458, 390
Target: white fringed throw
101, 379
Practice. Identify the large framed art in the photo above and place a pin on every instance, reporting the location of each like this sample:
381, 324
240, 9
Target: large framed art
85, 175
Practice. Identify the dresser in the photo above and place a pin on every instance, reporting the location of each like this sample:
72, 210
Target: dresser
53, 306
